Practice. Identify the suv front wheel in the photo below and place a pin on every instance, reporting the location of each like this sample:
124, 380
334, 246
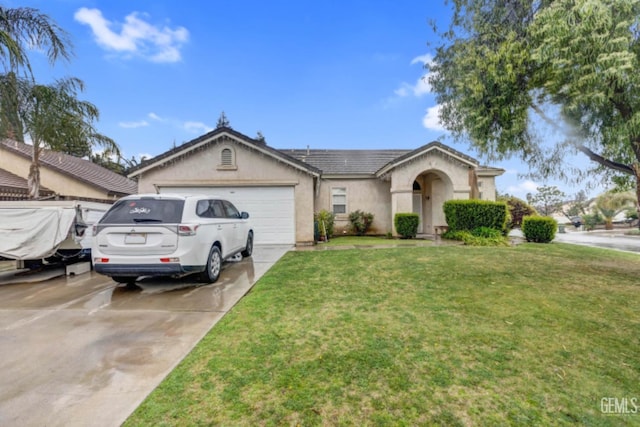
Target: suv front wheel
248, 250
214, 265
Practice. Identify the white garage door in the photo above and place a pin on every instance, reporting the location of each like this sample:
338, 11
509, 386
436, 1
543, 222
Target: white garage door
271, 209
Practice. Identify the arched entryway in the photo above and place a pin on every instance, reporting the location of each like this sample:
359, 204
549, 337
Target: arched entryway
430, 190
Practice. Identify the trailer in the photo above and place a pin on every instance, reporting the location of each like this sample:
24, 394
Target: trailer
35, 233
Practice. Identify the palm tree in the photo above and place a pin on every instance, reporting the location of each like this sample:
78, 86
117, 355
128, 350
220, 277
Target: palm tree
54, 117
51, 115
23, 28
612, 203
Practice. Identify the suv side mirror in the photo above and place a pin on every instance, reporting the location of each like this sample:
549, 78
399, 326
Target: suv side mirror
244, 215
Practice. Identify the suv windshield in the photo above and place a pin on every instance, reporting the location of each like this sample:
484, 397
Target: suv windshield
144, 211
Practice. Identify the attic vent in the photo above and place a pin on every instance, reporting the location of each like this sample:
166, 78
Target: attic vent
226, 158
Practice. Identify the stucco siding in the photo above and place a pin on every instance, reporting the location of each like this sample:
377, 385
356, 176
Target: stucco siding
404, 176
366, 194
487, 187
250, 168
59, 183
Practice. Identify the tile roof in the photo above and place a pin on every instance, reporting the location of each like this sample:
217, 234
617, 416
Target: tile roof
316, 161
7, 179
14, 186
77, 168
346, 162
366, 162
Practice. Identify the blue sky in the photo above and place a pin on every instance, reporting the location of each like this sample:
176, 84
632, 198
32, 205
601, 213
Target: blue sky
327, 74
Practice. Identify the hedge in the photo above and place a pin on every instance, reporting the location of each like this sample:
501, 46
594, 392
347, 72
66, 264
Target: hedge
539, 229
406, 224
472, 214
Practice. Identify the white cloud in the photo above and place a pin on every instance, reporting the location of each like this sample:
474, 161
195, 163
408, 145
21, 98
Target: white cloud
424, 59
154, 116
135, 36
132, 125
421, 87
431, 120
522, 188
197, 127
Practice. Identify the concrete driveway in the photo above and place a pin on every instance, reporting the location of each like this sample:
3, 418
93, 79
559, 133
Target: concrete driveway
84, 351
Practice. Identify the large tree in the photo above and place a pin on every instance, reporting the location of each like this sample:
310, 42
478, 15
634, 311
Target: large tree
54, 117
507, 68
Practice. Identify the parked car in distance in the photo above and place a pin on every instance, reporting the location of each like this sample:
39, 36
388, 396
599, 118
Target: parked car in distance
169, 235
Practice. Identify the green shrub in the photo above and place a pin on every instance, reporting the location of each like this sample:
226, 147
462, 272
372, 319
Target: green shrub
471, 214
406, 224
481, 236
539, 229
486, 232
591, 220
325, 221
360, 221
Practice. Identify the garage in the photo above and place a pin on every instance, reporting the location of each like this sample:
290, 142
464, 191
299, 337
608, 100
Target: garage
271, 209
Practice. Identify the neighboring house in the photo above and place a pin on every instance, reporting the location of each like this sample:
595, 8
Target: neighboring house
14, 187
62, 176
281, 189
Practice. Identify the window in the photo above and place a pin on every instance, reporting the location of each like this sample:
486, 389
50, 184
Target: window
230, 210
209, 209
145, 210
339, 200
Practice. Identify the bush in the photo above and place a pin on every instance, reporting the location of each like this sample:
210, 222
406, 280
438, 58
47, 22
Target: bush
481, 236
471, 214
591, 220
360, 222
406, 224
539, 229
487, 233
325, 221
518, 209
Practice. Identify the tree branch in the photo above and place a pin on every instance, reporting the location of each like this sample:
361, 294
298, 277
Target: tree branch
620, 167
545, 118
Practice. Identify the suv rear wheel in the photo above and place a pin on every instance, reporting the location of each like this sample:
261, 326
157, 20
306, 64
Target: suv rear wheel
248, 250
214, 265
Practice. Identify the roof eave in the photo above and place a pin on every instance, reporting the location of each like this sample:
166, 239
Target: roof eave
489, 172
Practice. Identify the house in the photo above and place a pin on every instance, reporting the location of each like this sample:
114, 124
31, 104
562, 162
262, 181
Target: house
14, 187
62, 176
281, 189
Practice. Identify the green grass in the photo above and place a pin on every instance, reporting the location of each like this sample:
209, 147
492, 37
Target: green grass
436, 335
371, 241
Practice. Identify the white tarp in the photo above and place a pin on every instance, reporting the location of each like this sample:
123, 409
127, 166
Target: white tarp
33, 233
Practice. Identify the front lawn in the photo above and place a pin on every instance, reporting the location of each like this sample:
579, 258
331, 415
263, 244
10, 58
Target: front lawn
436, 335
342, 241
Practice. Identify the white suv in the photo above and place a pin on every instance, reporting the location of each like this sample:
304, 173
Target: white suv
169, 235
